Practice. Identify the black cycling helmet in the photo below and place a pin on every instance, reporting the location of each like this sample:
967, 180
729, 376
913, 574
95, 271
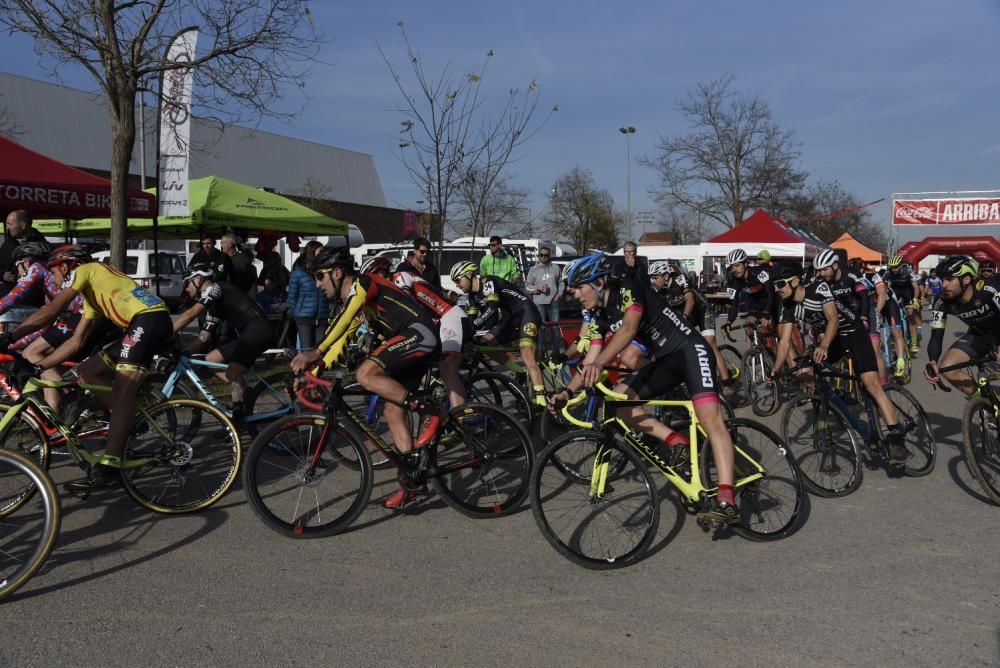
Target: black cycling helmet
983, 266
786, 270
332, 258
203, 269
957, 266
36, 250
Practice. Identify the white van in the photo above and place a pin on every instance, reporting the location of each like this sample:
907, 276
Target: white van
141, 265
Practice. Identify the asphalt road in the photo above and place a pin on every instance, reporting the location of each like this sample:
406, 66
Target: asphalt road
902, 572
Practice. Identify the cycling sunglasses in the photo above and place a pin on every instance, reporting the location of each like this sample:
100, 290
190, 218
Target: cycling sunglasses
318, 275
782, 283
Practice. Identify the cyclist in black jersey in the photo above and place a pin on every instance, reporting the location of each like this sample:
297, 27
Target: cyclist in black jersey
976, 302
750, 290
633, 310
491, 296
904, 284
850, 287
221, 301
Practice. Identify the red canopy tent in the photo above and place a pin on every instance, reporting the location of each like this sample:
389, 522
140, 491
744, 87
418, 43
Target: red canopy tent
762, 231
42, 185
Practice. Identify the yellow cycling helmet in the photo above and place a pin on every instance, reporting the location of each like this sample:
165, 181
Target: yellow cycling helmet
895, 261
463, 268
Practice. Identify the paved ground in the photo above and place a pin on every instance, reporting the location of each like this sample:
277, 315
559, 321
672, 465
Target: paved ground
902, 572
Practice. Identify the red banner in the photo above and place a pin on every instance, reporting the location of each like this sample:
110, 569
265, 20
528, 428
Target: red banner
946, 211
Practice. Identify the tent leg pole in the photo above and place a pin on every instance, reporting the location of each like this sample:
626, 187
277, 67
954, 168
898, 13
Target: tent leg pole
156, 255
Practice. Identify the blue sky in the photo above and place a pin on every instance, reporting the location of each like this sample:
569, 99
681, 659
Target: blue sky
884, 96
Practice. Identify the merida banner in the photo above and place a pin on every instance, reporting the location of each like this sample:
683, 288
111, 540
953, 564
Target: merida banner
175, 127
983, 211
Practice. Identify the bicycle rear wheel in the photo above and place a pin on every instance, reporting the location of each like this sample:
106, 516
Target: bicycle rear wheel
603, 526
763, 395
484, 461
981, 442
25, 436
272, 394
28, 535
734, 364
302, 494
170, 467
918, 437
497, 389
823, 445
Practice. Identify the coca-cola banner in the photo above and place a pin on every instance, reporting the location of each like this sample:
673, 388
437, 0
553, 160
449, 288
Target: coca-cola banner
946, 211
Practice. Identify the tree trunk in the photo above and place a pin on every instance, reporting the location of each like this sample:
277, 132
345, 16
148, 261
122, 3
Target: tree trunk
122, 142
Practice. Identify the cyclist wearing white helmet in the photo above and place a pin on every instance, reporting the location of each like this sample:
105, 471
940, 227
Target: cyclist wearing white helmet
749, 290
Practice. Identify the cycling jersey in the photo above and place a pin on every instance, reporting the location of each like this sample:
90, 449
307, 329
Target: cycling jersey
850, 333
518, 313
751, 295
224, 302
453, 325
901, 283
934, 285
676, 291
111, 294
855, 292
981, 313
819, 293
37, 278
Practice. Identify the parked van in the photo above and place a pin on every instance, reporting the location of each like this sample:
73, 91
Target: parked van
141, 265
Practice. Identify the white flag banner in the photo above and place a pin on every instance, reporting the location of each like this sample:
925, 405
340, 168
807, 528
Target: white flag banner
175, 128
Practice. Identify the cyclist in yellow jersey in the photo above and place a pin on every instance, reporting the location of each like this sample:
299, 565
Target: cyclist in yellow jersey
107, 294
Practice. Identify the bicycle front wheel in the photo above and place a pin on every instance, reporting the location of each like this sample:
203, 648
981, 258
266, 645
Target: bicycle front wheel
602, 525
981, 442
484, 461
734, 364
169, 466
304, 480
823, 445
27, 437
28, 535
917, 435
763, 395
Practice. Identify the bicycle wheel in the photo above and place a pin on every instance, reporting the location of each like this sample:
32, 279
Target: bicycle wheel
497, 389
369, 407
824, 446
296, 498
551, 427
27, 536
981, 442
169, 467
27, 436
769, 506
918, 437
271, 394
484, 460
734, 363
592, 527
762, 394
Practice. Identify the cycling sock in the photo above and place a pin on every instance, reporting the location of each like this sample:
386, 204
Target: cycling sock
676, 438
726, 495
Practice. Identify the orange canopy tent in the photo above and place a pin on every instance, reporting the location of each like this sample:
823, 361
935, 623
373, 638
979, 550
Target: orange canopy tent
855, 248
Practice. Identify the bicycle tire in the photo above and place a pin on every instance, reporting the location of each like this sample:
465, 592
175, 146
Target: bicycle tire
497, 389
270, 393
21, 553
276, 477
827, 452
191, 471
778, 495
734, 363
484, 465
981, 445
918, 438
574, 523
763, 395
27, 437
551, 427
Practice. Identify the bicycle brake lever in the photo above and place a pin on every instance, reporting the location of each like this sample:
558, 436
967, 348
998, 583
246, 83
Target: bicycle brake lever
930, 372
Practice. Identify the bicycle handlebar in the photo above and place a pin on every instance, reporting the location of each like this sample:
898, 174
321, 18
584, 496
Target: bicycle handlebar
312, 380
980, 361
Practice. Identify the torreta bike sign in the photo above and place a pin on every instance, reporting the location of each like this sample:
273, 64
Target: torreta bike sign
958, 211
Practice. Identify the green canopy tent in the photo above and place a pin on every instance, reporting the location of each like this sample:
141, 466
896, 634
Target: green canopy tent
216, 204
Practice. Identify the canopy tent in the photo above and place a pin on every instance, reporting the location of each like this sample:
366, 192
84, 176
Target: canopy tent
855, 248
763, 231
42, 185
216, 205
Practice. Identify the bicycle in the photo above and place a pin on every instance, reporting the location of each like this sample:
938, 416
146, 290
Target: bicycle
27, 532
981, 425
309, 475
888, 348
756, 365
174, 460
825, 435
589, 485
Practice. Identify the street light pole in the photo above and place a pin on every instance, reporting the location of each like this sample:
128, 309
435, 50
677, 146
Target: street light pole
628, 131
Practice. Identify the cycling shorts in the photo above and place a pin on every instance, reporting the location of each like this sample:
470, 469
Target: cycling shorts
976, 345
892, 313
61, 329
406, 356
525, 331
693, 365
255, 338
147, 334
456, 330
859, 347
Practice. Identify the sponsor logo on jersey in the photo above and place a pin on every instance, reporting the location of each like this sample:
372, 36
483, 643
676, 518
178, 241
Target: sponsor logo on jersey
980, 283
531, 329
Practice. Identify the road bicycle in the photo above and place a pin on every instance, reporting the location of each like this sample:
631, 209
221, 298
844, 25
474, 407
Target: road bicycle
309, 475
888, 348
832, 443
181, 455
756, 365
981, 425
596, 502
30, 515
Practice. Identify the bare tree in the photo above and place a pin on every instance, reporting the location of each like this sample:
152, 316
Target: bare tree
735, 158
688, 227
315, 190
446, 136
828, 210
8, 123
582, 213
485, 207
256, 49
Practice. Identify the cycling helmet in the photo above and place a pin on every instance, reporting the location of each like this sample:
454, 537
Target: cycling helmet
374, 265
764, 256
587, 270
825, 259
68, 253
331, 258
33, 249
735, 257
203, 269
985, 264
957, 266
895, 261
659, 268
463, 268
786, 270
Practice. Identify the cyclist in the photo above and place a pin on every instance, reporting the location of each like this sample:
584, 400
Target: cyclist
976, 302
850, 286
987, 269
633, 310
109, 294
786, 279
934, 284
891, 312
904, 284
844, 332
223, 302
750, 291
454, 326
492, 296
395, 369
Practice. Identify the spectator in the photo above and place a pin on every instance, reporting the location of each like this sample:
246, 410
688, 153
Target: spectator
275, 270
418, 262
18, 230
632, 267
209, 254
544, 284
244, 273
270, 298
307, 304
498, 262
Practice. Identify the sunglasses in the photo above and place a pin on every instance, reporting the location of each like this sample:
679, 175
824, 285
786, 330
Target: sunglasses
423, 250
543, 255
318, 275
782, 283
493, 245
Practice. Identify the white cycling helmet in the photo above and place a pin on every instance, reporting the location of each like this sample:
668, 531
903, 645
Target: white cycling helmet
825, 259
659, 268
735, 257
